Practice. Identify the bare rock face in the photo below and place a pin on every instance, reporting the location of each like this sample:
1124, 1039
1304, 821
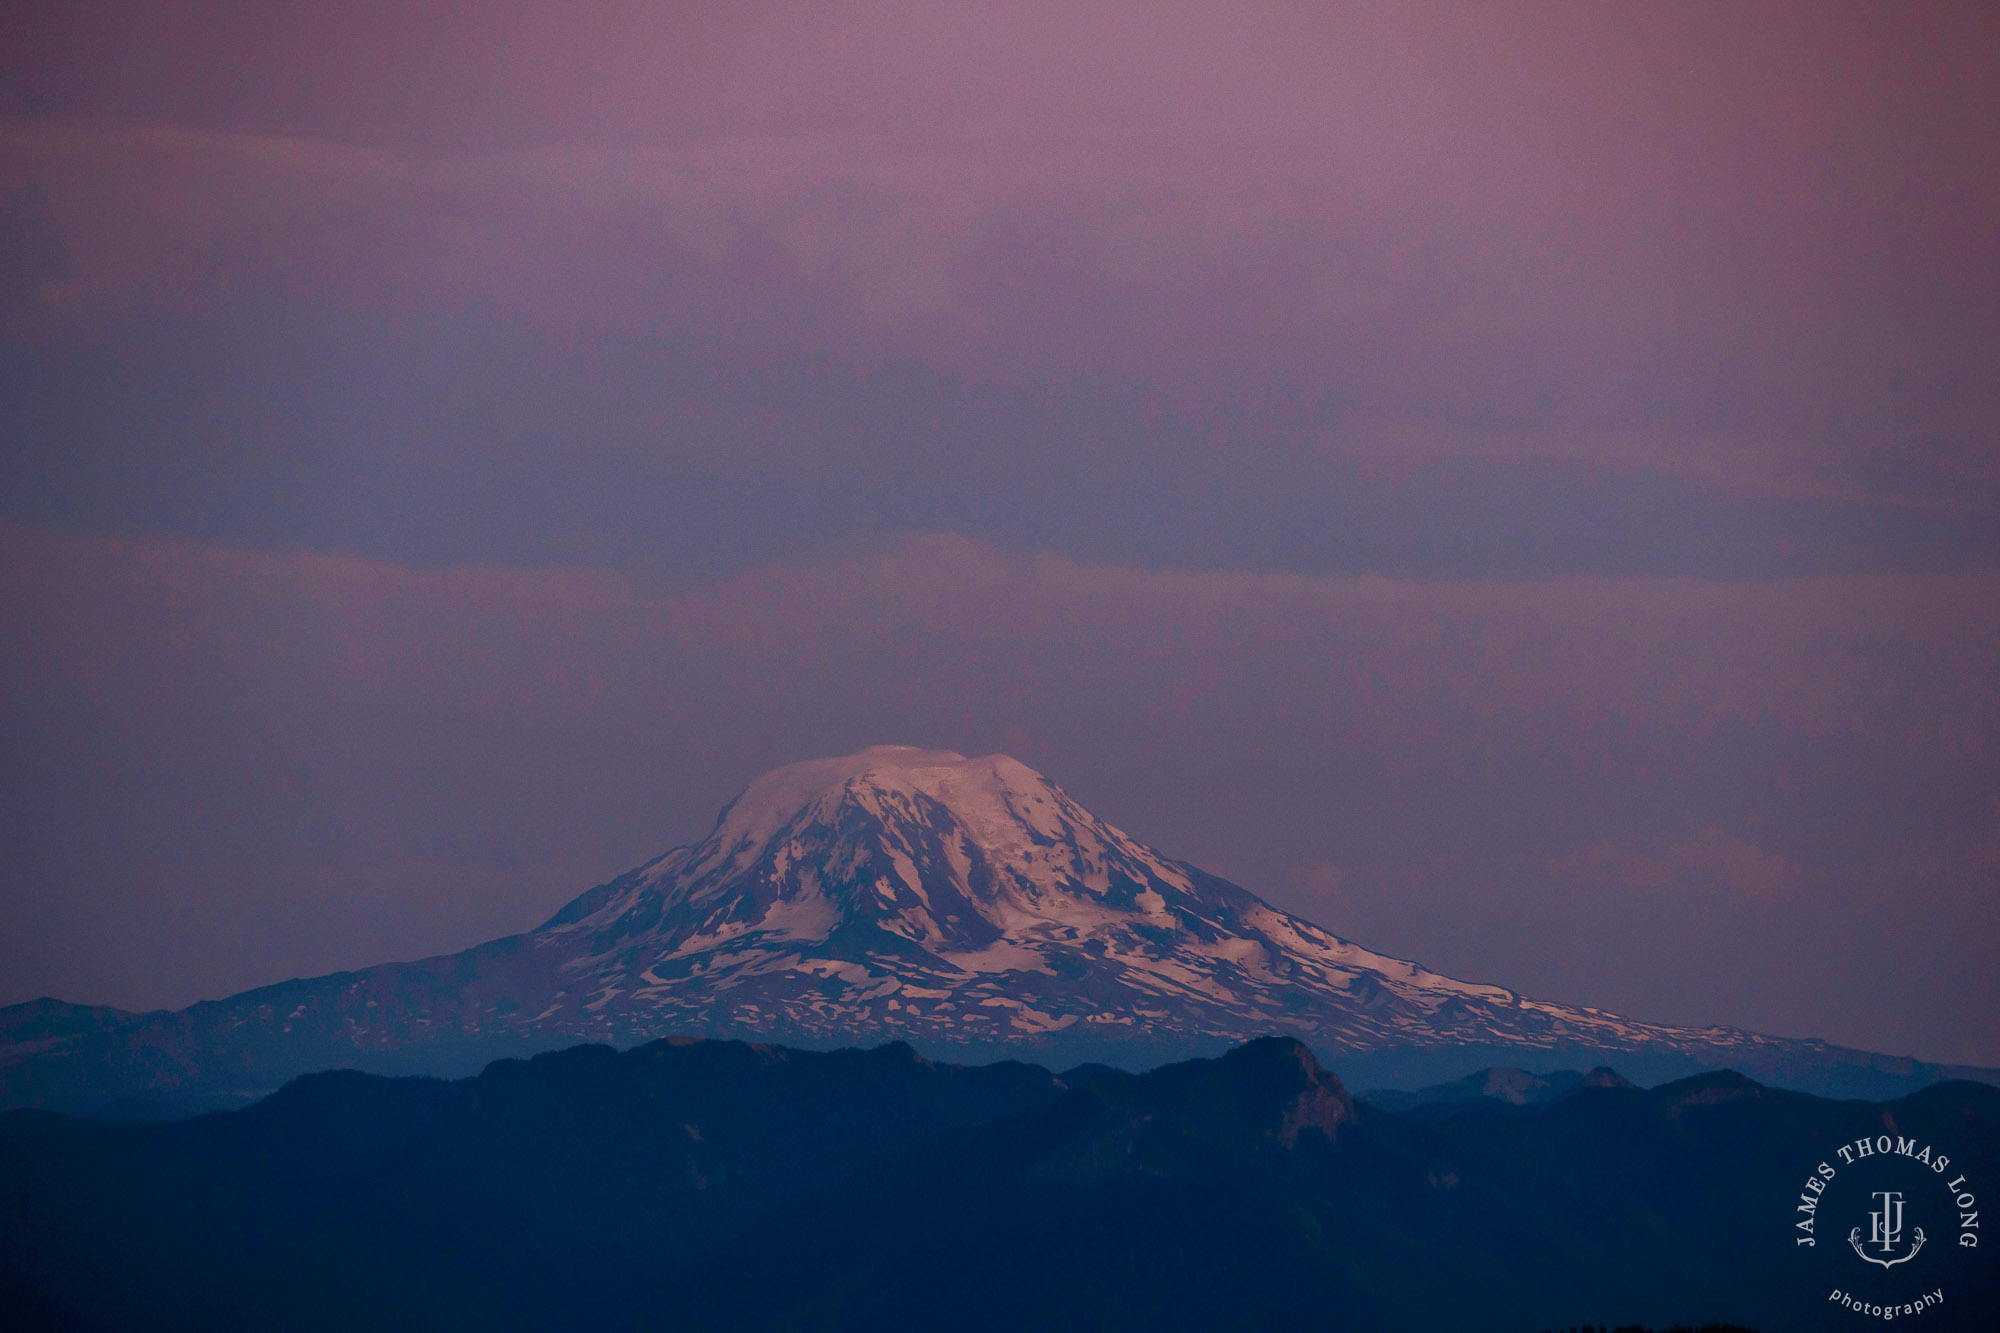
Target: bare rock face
1321, 1104
1201, 1117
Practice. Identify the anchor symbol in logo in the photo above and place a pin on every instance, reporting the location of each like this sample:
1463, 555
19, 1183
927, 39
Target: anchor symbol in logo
1885, 1228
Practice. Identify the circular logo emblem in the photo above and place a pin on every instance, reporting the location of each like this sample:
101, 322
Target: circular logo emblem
1887, 1221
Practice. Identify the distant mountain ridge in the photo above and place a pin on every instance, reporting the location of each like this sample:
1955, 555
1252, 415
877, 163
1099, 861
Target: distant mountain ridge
1507, 1087
968, 906
724, 1185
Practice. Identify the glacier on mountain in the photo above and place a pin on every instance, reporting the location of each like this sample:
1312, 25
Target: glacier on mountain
922, 895
967, 906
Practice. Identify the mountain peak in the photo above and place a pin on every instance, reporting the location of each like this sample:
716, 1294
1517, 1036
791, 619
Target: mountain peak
914, 852
962, 904
918, 893
992, 798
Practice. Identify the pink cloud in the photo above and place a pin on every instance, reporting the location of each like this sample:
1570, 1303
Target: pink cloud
1706, 861
1503, 233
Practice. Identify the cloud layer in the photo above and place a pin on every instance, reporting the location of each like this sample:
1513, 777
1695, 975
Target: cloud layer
1531, 291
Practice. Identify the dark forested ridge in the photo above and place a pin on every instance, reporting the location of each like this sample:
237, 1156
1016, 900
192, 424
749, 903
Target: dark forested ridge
1638, 1328
719, 1185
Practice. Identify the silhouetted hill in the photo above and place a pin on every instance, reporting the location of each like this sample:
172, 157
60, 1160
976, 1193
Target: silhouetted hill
719, 1185
1500, 1086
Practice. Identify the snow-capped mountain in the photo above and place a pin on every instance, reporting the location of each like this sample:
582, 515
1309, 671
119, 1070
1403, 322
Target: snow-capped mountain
967, 906
923, 895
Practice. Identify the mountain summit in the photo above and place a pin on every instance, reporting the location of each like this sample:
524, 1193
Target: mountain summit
920, 894
967, 906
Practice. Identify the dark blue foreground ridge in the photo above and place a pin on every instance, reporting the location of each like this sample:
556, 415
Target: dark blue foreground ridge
708, 1185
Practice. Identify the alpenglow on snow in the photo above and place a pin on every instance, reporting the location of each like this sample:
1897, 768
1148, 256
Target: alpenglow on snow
967, 906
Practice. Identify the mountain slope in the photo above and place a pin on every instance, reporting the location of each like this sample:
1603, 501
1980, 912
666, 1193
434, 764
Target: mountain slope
964, 905
945, 900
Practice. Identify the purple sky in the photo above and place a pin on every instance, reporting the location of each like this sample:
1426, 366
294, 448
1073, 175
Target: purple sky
1518, 485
